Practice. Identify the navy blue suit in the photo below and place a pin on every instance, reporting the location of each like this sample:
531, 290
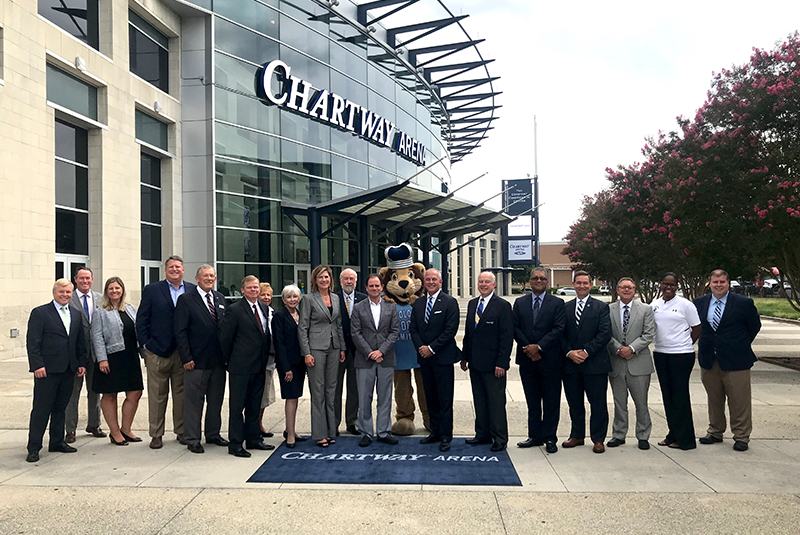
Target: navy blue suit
154, 319
731, 344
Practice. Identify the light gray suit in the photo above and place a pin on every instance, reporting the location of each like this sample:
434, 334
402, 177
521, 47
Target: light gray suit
631, 375
367, 338
320, 335
92, 399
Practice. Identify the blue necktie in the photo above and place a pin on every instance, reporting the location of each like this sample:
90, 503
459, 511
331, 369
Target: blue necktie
480, 307
717, 315
428, 309
536, 306
86, 305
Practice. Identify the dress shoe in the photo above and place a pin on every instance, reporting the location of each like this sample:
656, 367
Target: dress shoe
598, 447
352, 430
260, 446
239, 452
667, 442
181, 440
430, 439
116, 442
365, 441
475, 441
644, 445
62, 448
740, 445
572, 442
550, 447
219, 441
96, 432
290, 444
69, 438
388, 439
710, 439
497, 446
195, 448
614, 442
156, 443
33, 457
444, 446
130, 438
267, 434
529, 443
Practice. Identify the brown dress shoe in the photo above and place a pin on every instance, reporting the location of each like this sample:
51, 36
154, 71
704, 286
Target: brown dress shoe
69, 438
598, 447
572, 442
156, 443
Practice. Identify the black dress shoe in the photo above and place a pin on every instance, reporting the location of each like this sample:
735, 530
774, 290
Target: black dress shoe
130, 438
33, 457
529, 443
267, 434
365, 441
96, 432
195, 448
122, 442
740, 445
444, 446
260, 446
352, 430
644, 445
62, 448
388, 439
239, 452
290, 444
69, 438
181, 440
614, 442
430, 439
496, 446
550, 447
710, 439
219, 441
475, 441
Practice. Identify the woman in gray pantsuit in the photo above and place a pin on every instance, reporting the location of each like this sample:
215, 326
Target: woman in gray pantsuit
322, 343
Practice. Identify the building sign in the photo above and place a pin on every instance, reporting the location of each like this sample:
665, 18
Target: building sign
521, 226
520, 250
329, 108
518, 199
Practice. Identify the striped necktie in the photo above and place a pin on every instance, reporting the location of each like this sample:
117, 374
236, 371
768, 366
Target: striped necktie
211, 307
717, 315
428, 308
479, 311
626, 318
536, 306
578, 311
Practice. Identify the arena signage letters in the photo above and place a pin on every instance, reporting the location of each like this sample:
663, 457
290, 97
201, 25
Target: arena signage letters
327, 107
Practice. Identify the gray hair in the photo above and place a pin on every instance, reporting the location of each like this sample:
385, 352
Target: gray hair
204, 267
291, 289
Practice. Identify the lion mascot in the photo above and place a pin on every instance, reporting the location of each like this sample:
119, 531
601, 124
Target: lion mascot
402, 282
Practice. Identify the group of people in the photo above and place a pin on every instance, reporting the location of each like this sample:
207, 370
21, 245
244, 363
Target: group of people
192, 342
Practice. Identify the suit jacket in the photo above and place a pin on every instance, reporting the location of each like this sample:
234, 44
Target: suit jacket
320, 328
87, 325
108, 332
547, 332
196, 332
641, 332
50, 346
244, 348
487, 343
593, 335
286, 342
154, 320
367, 338
357, 298
440, 332
731, 343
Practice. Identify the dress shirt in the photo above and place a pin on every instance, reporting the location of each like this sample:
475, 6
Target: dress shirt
89, 302
375, 308
64, 314
260, 314
175, 293
349, 301
713, 304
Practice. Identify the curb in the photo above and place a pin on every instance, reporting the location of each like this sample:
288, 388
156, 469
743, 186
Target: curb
781, 320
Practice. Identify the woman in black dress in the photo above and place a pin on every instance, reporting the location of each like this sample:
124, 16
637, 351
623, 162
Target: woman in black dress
288, 360
117, 368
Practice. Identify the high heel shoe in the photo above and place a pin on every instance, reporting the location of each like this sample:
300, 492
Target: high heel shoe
122, 442
290, 444
297, 438
130, 438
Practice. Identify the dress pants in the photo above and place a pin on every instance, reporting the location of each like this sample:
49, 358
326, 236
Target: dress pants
735, 386
368, 378
244, 404
50, 398
673, 375
202, 387
637, 385
322, 385
542, 387
347, 368
164, 373
595, 387
438, 382
489, 399
92, 402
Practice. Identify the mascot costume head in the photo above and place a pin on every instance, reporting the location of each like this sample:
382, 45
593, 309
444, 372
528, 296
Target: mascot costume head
402, 277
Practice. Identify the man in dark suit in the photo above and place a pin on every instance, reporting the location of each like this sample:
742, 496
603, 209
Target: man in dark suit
434, 323
488, 339
87, 301
56, 354
245, 344
586, 366
155, 330
198, 315
539, 322
729, 324
348, 297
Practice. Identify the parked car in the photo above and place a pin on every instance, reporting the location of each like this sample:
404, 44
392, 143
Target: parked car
604, 290
566, 290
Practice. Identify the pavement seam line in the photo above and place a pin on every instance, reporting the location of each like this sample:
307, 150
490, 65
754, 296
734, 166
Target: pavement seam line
553, 468
500, 512
715, 491
173, 517
154, 474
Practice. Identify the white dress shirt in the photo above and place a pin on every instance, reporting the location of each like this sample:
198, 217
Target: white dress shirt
375, 308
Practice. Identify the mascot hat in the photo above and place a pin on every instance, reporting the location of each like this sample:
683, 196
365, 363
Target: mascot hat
400, 256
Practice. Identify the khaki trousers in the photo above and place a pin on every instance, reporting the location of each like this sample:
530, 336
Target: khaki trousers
164, 373
735, 386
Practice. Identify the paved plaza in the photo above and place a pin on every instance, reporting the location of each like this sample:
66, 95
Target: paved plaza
709, 490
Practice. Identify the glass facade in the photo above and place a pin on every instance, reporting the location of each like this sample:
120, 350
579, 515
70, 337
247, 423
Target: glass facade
76, 17
72, 189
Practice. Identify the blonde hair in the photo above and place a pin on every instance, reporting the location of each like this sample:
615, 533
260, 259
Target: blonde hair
316, 272
106, 303
60, 283
264, 286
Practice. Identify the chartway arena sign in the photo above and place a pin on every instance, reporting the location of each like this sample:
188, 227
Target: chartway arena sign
327, 107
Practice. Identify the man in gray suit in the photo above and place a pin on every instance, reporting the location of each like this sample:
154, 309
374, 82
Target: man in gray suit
87, 301
633, 328
375, 327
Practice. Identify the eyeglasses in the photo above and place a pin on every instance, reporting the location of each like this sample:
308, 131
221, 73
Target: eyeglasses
626, 287
538, 278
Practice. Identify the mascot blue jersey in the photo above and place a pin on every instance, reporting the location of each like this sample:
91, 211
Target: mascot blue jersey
404, 350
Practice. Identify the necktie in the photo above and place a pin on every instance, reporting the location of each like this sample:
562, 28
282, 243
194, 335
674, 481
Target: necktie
86, 306
258, 320
536, 306
717, 315
211, 307
65, 317
626, 318
480, 308
428, 309
347, 304
578, 311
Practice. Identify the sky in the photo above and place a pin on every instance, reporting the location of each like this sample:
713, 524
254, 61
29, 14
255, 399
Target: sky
600, 77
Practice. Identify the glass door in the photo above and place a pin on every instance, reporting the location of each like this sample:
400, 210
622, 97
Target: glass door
302, 277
